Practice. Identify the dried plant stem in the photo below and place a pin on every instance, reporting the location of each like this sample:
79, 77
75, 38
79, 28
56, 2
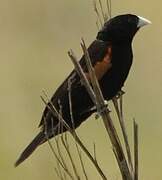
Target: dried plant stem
104, 112
59, 153
94, 149
70, 103
97, 97
98, 26
59, 161
102, 11
99, 100
119, 112
102, 17
124, 131
73, 126
58, 172
82, 74
109, 7
97, 13
128, 168
75, 136
81, 162
65, 177
135, 151
91, 158
70, 157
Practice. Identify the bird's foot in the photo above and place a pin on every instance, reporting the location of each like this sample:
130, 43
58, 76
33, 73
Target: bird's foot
101, 110
119, 94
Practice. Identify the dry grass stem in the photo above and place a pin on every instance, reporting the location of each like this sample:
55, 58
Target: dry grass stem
109, 7
73, 126
135, 151
102, 11
70, 157
58, 173
95, 93
82, 163
128, 168
94, 150
104, 112
92, 95
70, 103
75, 136
102, 17
58, 158
82, 74
119, 111
98, 26
60, 162
99, 18
59, 153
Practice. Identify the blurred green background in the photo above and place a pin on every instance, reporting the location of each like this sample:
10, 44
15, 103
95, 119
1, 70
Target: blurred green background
34, 39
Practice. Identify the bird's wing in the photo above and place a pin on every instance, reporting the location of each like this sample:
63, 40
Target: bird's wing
100, 55
97, 51
102, 65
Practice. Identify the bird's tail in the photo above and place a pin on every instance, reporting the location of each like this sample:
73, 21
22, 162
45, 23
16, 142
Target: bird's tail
39, 139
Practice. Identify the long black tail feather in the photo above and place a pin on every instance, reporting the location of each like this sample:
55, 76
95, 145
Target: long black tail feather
39, 139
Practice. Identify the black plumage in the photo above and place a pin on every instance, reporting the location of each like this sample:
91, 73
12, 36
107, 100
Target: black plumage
114, 41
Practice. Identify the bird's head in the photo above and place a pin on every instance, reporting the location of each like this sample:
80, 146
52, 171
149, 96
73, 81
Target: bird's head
121, 28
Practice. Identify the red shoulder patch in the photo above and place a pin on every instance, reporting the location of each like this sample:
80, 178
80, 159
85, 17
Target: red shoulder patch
102, 66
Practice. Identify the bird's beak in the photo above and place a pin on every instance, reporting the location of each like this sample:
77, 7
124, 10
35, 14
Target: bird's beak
142, 22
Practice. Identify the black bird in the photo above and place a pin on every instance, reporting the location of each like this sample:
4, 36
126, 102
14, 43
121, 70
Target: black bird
111, 56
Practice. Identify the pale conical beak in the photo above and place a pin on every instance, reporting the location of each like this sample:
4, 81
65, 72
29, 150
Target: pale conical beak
142, 22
